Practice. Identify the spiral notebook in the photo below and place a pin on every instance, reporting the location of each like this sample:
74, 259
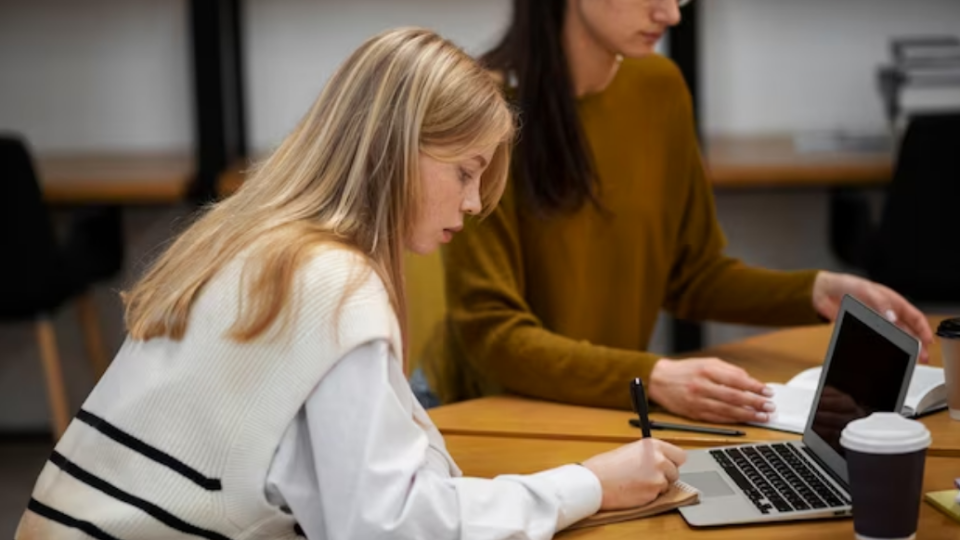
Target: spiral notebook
679, 494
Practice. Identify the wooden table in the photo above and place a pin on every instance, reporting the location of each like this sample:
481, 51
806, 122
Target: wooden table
231, 179
491, 456
516, 417
122, 178
774, 357
774, 162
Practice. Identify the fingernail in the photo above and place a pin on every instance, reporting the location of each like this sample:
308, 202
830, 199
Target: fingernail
767, 391
769, 406
762, 417
891, 316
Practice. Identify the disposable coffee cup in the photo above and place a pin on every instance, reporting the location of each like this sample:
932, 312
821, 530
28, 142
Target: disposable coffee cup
949, 334
885, 458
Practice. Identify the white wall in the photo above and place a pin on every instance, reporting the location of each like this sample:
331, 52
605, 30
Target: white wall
769, 65
782, 65
293, 46
96, 74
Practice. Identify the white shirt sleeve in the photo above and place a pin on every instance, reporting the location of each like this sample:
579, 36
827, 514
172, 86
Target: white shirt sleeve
363, 460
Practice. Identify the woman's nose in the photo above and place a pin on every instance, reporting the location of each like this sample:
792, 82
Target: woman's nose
667, 12
472, 204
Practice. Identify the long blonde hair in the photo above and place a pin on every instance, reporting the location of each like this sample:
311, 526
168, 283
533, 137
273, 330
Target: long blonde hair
347, 174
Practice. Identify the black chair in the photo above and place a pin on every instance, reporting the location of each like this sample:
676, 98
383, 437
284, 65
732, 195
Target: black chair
915, 250
40, 274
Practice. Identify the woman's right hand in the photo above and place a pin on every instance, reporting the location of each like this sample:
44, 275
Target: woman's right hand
710, 390
637, 473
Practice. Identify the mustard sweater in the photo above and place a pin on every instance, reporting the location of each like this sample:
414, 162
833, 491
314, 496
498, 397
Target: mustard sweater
562, 308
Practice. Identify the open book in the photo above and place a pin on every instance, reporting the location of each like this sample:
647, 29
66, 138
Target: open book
794, 400
679, 494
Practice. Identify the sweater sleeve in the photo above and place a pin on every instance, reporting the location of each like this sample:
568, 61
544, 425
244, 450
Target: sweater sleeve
495, 332
704, 283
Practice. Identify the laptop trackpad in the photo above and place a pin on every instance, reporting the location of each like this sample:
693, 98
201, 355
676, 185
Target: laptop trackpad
710, 483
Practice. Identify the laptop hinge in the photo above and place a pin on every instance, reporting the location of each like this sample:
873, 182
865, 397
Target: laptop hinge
836, 478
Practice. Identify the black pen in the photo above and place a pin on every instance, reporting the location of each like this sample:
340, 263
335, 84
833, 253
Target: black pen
640, 405
693, 429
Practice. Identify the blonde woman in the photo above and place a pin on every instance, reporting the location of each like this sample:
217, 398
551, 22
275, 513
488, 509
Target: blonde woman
261, 392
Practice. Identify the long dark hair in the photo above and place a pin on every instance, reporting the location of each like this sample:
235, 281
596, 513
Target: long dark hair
552, 165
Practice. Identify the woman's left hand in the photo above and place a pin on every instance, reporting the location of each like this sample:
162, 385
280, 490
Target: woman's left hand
828, 291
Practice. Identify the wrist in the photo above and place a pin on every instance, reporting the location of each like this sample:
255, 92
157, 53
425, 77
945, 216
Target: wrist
823, 283
656, 373
820, 294
590, 465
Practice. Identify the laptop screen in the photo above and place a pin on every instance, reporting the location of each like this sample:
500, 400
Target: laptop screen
865, 375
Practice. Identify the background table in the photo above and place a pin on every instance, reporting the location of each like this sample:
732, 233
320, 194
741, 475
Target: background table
774, 162
121, 178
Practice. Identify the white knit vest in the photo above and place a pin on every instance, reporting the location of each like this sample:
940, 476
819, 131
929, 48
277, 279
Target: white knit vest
177, 437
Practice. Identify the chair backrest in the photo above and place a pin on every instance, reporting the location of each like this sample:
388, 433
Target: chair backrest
27, 238
917, 248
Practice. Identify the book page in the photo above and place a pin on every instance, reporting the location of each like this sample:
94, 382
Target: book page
927, 389
807, 379
793, 408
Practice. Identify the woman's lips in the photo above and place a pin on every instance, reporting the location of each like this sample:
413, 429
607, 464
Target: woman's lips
651, 38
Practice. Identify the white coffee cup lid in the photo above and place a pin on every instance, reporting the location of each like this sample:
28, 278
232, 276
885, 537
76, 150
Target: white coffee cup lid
885, 433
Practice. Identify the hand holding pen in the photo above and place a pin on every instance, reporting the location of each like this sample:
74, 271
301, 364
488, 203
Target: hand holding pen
636, 473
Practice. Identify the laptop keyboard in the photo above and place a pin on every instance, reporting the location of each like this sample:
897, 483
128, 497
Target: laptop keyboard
777, 477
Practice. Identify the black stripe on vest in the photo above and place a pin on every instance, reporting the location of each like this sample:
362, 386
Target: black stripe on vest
107, 488
161, 457
86, 527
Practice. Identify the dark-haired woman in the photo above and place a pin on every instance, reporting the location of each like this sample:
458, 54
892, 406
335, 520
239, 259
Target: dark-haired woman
608, 217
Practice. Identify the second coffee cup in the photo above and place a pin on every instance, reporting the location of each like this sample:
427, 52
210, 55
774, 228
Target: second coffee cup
949, 334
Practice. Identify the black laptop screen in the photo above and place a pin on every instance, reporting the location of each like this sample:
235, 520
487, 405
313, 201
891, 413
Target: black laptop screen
865, 375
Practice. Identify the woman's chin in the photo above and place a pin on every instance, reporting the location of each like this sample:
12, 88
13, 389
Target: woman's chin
637, 51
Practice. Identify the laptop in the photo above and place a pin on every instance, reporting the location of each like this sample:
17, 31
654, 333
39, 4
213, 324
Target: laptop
868, 368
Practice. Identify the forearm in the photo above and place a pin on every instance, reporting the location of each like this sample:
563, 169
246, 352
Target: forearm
729, 291
527, 359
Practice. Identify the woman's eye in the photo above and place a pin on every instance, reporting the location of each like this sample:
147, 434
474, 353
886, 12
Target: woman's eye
465, 176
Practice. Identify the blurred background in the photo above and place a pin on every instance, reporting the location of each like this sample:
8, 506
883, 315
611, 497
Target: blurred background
135, 111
